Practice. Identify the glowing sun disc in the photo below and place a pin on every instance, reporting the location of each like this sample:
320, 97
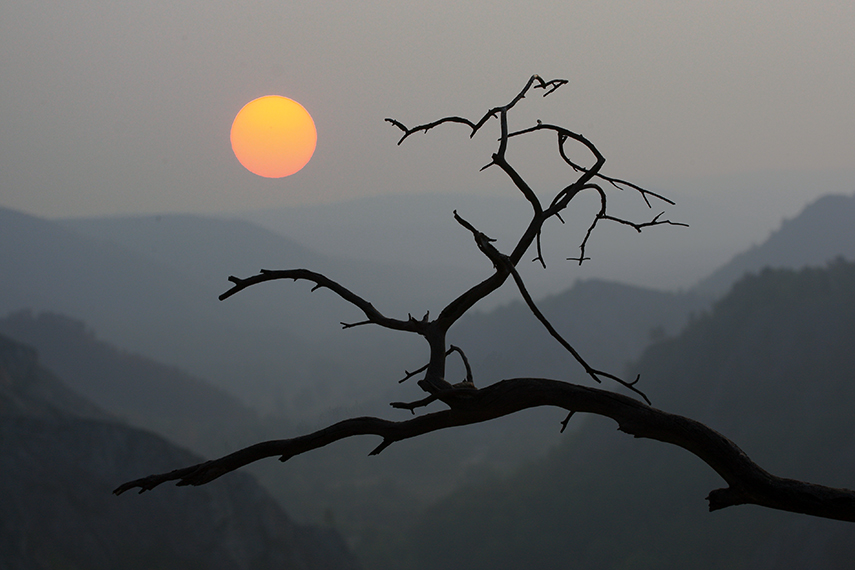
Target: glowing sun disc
273, 136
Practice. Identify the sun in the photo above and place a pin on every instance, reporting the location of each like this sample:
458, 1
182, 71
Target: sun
273, 136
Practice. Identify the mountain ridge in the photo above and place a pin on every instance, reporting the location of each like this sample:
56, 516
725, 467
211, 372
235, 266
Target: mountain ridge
251, 341
823, 230
140, 391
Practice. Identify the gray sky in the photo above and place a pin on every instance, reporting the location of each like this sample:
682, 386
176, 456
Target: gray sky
120, 107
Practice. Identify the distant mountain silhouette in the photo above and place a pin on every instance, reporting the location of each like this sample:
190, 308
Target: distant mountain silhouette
418, 229
825, 229
59, 460
46, 265
138, 302
144, 288
149, 283
209, 249
145, 284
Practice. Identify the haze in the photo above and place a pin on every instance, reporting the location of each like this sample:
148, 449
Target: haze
112, 108
123, 210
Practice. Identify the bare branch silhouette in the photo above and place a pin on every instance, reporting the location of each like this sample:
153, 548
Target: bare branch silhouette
746, 482
466, 404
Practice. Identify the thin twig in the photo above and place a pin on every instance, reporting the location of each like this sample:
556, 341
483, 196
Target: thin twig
321, 281
591, 371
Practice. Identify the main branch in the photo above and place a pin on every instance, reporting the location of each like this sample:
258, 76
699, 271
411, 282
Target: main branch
747, 483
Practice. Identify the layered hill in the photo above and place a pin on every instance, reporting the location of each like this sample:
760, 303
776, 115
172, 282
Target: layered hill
59, 459
208, 250
143, 392
144, 286
149, 284
169, 270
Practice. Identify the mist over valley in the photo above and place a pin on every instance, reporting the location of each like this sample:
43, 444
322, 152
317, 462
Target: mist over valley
124, 310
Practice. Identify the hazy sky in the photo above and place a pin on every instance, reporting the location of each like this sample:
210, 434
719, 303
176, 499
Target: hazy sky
120, 107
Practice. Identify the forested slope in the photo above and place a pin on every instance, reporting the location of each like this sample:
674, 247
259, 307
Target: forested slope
771, 366
60, 457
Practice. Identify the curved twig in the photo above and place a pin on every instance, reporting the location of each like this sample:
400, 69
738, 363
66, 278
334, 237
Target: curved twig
321, 281
452, 348
618, 183
458, 350
603, 215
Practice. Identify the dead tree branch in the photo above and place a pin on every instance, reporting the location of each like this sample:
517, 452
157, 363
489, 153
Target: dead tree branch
747, 483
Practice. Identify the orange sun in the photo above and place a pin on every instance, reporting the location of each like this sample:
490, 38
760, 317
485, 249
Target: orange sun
273, 136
